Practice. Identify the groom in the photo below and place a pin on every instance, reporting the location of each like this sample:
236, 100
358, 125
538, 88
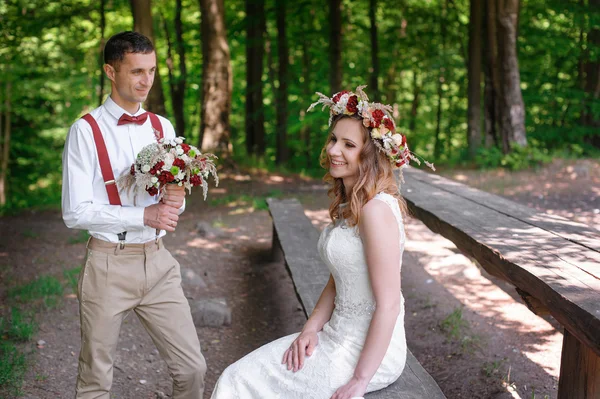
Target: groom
127, 267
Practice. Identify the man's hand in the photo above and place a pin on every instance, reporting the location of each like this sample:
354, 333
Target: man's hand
173, 195
161, 216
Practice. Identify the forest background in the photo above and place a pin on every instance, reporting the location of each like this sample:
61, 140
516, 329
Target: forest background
489, 83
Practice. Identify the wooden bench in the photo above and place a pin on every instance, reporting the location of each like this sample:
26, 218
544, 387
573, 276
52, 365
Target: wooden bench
295, 241
554, 263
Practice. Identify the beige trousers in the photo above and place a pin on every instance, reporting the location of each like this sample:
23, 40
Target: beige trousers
144, 278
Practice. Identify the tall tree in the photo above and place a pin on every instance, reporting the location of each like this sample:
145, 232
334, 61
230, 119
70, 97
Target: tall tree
255, 49
591, 82
474, 74
102, 29
216, 79
335, 45
142, 22
512, 108
177, 84
5, 144
438, 145
373, 85
282, 91
491, 73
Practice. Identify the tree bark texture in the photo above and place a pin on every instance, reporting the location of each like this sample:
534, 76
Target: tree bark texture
374, 86
282, 91
5, 136
216, 79
335, 45
143, 23
474, 77
255, 49
512, 108
102, 41
491, 90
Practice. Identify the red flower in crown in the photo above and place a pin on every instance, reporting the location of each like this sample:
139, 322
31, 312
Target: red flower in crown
352, 105
377, 116
389, 124
339, 95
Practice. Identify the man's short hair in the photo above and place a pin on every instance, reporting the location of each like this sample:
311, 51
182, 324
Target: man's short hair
125, 42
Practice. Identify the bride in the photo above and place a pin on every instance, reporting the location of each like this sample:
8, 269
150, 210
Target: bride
353, 342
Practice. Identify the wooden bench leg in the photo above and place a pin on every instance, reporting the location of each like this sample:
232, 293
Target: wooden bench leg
579, 370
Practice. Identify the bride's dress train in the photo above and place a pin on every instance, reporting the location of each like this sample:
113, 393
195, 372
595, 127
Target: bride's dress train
261, 375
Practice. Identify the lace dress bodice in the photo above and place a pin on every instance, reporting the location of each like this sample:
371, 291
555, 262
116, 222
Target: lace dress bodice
342, 251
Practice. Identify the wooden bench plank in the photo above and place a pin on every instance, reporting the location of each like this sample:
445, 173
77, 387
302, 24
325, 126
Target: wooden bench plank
560, 273
573, 231
292, 234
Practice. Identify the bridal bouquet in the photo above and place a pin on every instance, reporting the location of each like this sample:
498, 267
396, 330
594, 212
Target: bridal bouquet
170, 161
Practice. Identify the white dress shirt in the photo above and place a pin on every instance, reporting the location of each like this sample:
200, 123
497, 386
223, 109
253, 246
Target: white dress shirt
85, 203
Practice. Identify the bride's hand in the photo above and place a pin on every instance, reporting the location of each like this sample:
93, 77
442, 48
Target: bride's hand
303, 346
355, 388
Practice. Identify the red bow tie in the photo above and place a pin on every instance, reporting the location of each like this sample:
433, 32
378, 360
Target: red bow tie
138, 120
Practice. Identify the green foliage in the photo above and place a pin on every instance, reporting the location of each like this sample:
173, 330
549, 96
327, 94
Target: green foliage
56, 79
520, 158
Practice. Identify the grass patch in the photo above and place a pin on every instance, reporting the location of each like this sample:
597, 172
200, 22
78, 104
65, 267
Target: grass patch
81, 237
454, 324
12, 369
72, 277
46, 289
29, 234
19, 327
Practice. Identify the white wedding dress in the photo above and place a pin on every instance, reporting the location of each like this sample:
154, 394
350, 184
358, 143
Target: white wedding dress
261, 375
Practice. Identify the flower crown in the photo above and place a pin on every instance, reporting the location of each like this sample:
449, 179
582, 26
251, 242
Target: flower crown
375, 116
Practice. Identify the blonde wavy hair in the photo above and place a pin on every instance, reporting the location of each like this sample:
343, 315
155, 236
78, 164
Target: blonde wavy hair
375, 175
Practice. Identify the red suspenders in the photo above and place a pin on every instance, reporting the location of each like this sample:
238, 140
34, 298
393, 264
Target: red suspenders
104, 160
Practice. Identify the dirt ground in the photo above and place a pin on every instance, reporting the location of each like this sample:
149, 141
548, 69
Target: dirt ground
470, 331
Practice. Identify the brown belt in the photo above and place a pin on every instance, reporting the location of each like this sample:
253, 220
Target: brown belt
96, 244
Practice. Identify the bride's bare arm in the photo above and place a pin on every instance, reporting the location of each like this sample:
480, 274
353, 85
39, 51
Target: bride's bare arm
382, 252
305, 343
323, 309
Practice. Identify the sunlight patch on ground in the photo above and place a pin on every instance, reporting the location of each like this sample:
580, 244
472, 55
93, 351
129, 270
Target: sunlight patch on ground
204, 244
464, 280
319, 218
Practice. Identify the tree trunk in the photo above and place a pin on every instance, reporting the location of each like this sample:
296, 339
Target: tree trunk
374, 87
177, 84
592, 80
281, 102
216, 79
512, 109
491, 91
474, 74
415, 102
438, 145
142, 23
335, 45
305, 131
255, 48
102, 29
5, 145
